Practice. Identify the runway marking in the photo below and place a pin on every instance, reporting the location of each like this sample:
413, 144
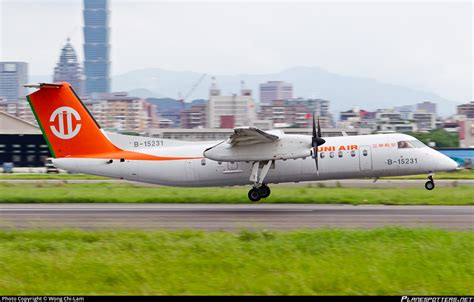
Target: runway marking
230, 217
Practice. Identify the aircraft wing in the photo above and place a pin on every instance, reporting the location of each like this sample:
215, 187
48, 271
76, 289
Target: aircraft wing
250, 136
253, 144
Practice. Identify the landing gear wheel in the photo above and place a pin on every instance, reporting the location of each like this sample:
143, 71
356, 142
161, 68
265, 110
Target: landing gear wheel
254, 194
429, 185
264, 191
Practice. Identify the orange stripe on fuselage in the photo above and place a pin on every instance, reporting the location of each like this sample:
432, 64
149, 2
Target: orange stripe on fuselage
130, 155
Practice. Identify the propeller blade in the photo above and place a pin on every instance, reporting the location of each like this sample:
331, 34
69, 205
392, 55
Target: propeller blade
316, 141
316, 160
314, 128
319, 129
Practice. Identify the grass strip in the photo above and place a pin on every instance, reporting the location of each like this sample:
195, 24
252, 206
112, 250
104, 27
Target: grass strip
130, 193
387, 261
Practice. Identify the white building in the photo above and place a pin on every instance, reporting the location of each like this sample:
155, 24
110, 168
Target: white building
427, 107
466, 132
424, 120
118, 111
229, 111
275, 90
392, 120
405, 111
18, 108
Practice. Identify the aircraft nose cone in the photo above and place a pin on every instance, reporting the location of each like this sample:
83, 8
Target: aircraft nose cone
451, 165
447, 164
443, 162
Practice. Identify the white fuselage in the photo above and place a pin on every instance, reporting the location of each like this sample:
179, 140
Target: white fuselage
340, 157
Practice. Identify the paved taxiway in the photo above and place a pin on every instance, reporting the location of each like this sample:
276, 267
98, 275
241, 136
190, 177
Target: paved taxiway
230, 217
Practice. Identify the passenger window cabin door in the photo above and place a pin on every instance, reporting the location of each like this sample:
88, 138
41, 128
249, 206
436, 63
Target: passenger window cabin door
365, 158
191, 170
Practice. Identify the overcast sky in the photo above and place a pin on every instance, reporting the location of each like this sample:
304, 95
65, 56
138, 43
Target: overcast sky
423, 45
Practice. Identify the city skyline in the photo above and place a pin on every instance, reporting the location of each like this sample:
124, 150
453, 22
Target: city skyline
404, 43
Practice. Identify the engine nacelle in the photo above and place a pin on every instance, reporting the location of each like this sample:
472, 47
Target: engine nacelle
286, 147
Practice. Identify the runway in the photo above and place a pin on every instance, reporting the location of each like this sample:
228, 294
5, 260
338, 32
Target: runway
230, 217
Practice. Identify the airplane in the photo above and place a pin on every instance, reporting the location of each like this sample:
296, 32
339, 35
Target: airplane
250, 156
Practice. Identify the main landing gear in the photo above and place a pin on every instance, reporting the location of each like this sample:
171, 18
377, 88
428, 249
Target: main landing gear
255, 194
430, 185
259, 190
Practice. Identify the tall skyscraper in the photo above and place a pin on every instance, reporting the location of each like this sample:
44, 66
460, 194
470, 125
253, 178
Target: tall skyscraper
96, 46
275, 91
69, 70
13, 75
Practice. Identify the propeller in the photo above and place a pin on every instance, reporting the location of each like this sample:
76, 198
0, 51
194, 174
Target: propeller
316, 140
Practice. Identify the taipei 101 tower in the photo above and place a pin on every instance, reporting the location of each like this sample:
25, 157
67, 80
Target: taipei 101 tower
96, 46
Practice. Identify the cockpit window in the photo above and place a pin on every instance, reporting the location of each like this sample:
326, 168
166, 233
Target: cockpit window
410, 144
418, 144
404, 145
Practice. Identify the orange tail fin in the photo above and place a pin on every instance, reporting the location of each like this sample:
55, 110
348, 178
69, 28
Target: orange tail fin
67, 125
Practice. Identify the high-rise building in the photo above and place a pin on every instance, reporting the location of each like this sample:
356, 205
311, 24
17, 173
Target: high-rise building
296, 113
96, 46
466, 132
229, 111
118, 111
427, 107
18, 108
407, 110
69, 70
424, 120
467, 109
194, 117
13, 75
275, 90
392, 120
354, 113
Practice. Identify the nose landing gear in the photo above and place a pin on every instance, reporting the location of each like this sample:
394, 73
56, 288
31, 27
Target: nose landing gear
430, 185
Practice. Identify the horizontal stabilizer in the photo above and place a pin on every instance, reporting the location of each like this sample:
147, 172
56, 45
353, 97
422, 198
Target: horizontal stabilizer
43, 85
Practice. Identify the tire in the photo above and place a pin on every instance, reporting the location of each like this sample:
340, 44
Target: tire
254, 194
429, 185
264, 191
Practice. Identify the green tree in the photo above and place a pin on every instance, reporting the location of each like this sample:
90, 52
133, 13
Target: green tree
441, 137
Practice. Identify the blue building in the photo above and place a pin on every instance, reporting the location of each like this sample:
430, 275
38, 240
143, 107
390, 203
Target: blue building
13, 75
96, 46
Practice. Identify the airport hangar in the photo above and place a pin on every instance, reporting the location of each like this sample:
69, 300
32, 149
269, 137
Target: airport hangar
21, 143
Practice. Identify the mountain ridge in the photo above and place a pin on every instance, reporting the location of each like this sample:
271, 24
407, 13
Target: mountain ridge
344, 92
